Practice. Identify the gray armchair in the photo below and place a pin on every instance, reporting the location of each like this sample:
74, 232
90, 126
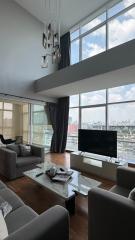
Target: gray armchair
13, 166
112, 213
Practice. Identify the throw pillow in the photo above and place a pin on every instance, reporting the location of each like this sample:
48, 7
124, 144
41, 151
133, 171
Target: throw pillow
5, 207
3, 227
132, 194
14, 147
25, 150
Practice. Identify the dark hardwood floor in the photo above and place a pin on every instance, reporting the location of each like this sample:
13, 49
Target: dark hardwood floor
40, 199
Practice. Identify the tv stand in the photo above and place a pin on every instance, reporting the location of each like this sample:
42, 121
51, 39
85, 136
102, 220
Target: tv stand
96, 164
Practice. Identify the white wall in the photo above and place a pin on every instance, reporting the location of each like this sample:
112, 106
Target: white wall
20, 51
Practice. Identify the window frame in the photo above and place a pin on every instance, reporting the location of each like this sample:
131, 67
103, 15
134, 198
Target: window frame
106, 105
106, 23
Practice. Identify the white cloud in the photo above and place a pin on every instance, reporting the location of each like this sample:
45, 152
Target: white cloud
130, 94
91, 98
122, 31
128, 2
92, 49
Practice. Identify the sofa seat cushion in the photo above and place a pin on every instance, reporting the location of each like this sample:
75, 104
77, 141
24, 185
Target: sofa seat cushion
120, 190
25, 161
11, 198
2, 185
19, 218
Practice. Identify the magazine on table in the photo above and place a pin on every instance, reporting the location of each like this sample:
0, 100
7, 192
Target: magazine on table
60, 174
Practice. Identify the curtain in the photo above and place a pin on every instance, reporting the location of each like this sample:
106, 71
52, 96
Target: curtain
62, 123
58, 114
65, 51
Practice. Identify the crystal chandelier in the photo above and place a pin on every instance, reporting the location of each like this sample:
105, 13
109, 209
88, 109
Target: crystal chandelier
51, 34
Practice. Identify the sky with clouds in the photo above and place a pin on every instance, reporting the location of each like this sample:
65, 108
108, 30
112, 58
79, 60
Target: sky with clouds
120, 30
121, 113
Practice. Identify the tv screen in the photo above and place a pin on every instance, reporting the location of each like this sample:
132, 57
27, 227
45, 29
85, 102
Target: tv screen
98, 141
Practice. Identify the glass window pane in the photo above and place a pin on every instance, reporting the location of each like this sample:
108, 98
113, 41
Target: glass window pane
94, 43
7, 132
37, 108
1, 116
8, 106
1, 105
119, 7
7, 119
122, 114
25, 122
122, 119
74, 101
25, 107
92, 98
74, 34
72, 140
120, 94
95, 22
39, 118
93, 118
74, 52
122, 28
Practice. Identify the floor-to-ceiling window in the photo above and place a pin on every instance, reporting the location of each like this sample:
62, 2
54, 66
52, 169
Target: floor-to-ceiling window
41, 128
112, 109
98, 33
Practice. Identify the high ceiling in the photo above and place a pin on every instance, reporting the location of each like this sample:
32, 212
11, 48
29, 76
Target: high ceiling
72, 11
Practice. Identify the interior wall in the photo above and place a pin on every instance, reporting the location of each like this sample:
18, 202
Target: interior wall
20, 51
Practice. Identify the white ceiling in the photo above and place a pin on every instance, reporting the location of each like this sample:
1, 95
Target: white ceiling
115, 78
72, 11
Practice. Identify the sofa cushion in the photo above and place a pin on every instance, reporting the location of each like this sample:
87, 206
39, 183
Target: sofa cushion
3, 227
25, 161
120, 190
25, 150
19, 218
14, 147
11, 198
2, 185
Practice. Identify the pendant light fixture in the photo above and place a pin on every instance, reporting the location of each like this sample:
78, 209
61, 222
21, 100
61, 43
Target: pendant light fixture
51, 33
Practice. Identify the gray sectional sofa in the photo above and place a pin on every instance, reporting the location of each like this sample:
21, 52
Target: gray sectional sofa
13, 166
112, 213
23, 223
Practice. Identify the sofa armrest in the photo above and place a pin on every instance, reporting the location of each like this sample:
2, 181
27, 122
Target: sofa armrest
50, 225
111, 216
38, 151
8, 163
126, 177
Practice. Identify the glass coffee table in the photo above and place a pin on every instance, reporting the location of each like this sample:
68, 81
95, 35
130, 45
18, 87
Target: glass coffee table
78, 184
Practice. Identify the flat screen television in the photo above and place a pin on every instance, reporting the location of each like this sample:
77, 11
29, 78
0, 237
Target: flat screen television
98, 141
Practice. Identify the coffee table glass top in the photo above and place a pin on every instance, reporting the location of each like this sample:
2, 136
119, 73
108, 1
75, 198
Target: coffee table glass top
78, 183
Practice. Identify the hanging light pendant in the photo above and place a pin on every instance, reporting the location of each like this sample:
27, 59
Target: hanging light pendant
51, 37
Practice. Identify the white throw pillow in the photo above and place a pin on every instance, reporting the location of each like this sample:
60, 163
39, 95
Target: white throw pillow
3, 227
132, 194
